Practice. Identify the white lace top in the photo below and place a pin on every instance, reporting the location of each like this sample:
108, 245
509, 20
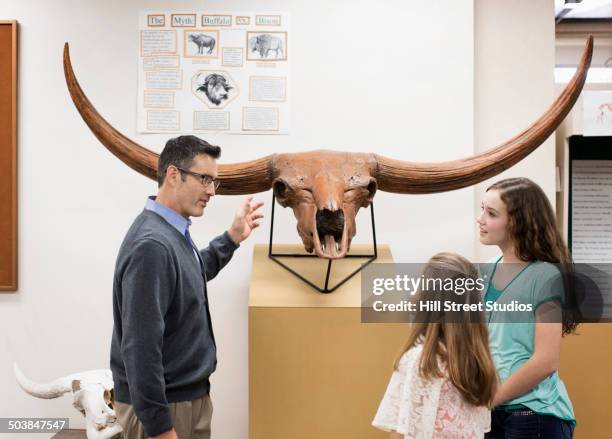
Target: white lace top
422, 408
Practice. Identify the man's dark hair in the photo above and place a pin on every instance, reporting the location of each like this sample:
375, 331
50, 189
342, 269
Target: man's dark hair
180, 152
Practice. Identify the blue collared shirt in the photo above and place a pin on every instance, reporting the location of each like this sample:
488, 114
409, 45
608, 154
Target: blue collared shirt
175, 219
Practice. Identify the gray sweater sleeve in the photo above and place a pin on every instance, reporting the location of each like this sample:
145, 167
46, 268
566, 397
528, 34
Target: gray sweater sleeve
147, 282
218, 254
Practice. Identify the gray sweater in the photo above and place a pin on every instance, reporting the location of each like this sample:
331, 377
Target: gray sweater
163, 347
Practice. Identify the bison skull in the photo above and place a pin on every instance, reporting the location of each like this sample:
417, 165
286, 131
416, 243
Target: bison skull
325, 189
92, 393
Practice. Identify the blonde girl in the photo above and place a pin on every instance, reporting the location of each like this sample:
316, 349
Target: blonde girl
445, 380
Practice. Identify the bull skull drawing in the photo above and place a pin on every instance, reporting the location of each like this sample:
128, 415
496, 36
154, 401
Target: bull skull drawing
326, 189
93, 397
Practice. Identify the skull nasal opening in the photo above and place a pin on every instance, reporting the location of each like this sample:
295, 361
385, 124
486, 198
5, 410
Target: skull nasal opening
330, 223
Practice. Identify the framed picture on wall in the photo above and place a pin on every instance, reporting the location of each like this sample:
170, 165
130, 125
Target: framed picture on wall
8, 155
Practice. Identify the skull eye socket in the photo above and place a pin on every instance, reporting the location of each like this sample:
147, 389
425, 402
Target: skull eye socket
362, 195
372, 187
109, 398
76, 385
280, 189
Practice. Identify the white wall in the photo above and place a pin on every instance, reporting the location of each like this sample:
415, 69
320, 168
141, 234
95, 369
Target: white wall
392, 77
514, 85
366, 77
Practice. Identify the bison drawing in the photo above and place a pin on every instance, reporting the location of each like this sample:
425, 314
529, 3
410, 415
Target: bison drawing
265, 43
215, 87
604, 113
202, 41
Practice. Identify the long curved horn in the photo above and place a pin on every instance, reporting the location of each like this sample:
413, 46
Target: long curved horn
414, 178
50, 390
236, 178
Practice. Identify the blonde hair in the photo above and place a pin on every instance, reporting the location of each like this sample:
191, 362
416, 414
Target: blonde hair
460, 342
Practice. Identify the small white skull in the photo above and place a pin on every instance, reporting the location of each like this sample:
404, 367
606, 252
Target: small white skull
93, 397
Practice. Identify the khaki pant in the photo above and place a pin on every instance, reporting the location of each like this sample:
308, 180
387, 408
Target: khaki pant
191, 419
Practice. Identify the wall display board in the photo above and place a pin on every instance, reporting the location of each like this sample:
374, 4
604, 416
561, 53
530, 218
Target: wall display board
590, 203
213, 72
590, 217
8, 155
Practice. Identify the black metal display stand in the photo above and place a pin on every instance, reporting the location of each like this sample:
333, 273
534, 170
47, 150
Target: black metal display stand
325, 289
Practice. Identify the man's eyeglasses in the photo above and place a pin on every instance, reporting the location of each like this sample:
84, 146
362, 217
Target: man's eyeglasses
205, 179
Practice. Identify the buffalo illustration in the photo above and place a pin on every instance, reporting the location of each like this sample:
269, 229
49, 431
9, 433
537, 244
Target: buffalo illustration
202, 41
215, 87
265, 43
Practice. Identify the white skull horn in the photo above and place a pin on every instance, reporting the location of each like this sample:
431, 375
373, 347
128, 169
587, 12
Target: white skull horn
54, 389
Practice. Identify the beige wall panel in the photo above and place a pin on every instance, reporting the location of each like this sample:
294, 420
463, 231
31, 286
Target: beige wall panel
586, 361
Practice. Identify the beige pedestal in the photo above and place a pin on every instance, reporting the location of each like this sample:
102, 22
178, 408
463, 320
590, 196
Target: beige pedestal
586, 369
315, 371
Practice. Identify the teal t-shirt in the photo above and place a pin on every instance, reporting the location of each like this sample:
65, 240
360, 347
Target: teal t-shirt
511, 335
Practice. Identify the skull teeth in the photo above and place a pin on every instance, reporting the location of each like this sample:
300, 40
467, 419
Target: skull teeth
330, 245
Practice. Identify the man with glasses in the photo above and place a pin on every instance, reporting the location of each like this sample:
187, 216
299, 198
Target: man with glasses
163, 348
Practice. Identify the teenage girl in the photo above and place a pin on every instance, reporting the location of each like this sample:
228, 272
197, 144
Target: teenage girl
532, 401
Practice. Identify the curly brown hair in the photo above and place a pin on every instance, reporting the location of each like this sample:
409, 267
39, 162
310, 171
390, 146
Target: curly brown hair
536, 237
